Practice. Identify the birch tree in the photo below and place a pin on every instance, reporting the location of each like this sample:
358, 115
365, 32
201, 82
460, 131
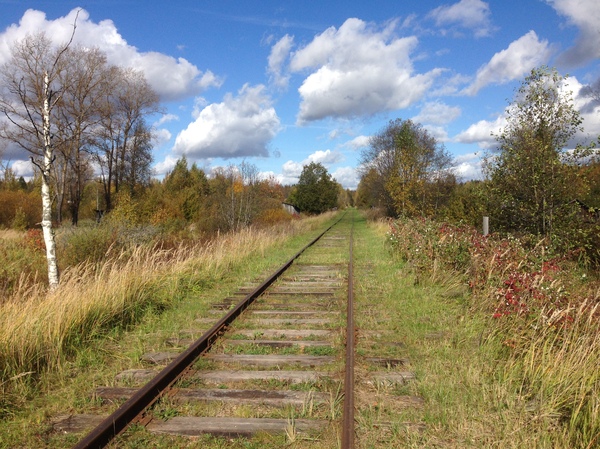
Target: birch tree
30, 92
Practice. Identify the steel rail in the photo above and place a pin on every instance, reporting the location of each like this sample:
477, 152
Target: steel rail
348, 413
135, 406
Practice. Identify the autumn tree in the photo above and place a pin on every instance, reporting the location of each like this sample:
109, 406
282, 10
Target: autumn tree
467, 203
185, 191
87, 75
370, 192
592, 169
234, 195
407, 168
122, 145
316, 192
532, 175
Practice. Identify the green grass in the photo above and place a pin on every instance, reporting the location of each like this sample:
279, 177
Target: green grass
487, 379
430, 324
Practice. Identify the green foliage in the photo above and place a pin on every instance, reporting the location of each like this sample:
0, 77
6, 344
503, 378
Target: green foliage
316, 192
591, 172
406, 170
126, 211
20, 221
371, 191
467, 203
531, 181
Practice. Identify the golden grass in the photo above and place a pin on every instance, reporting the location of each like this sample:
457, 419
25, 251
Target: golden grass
557, 376
38, 328
11, 234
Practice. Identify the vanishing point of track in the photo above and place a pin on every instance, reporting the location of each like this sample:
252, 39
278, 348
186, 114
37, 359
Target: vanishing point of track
276, 301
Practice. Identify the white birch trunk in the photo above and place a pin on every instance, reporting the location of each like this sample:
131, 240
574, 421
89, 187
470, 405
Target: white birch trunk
46, 198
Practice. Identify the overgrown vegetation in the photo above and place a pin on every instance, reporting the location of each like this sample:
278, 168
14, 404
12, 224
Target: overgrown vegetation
542, 310
40, 330
537, 180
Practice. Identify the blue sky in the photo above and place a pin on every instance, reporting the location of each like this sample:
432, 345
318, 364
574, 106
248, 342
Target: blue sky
283, 83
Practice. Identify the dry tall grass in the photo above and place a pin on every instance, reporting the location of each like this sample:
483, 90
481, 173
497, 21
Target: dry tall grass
37, 328
10, 234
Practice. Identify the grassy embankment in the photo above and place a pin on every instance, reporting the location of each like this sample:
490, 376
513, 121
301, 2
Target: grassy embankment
503, 338
54, 346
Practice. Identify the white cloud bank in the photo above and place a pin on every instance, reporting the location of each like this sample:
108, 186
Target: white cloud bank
358, 142
240, 126
358, 69
512, 63
171, 78
482, 133
291, 170
347, 177
437, 113
468, 166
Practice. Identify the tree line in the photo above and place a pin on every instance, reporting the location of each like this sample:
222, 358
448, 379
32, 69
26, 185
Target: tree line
85, 124
535, 181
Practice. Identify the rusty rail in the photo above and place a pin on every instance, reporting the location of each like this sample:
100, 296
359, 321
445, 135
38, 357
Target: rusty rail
348, 413
134, 407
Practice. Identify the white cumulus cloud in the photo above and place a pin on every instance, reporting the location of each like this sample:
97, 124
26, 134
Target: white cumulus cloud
512, 63
326, 157
240, 126
160, 136
166, 166
166, 118
347, 177
589, 109
358, 69
172, 78
358, 142
291, 170
468, 166
23, 168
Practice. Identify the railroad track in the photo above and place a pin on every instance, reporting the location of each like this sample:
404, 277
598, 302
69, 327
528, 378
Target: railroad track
279, 360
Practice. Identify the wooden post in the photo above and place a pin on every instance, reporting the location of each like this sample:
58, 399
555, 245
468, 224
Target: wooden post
486, 225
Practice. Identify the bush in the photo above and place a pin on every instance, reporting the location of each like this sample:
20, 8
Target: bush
85, 244
20, 222
25, 207
273, 216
